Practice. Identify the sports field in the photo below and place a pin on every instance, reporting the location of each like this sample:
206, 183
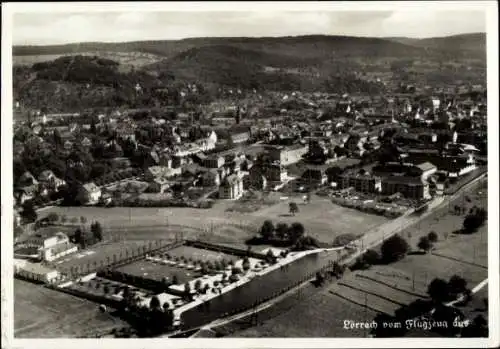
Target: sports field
158, 272
40, 312
93, 256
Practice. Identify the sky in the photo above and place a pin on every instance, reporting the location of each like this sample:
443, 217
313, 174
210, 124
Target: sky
71, 27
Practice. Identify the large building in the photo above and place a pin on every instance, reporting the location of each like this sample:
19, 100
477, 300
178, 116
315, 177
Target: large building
35, 271
47, 247
364, 183
410, 187
273, 173
287, 155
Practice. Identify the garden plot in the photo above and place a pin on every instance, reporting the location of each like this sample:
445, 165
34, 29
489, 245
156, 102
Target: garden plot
361, 298
105, 288
379, 289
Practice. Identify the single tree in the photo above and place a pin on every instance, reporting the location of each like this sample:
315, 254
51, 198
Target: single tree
246, 264
371, 257
175, 279
96, 230
270, 257
282, 231
29, 213
53, 217
293, 208
154, 304
267, 230
439, 291
424, 244
166, 307
457, 285
296, 231
79, 236
394, 249
83, 220
197, 285
433, 237
320, 278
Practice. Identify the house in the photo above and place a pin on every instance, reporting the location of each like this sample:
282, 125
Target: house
86, 143
27, 179
239, 134
427, 169
314, 176
361, 182
68, 145
154, 172
51, 246
159, 184
208, 143
254, 181
120, 163
274, 174
89, 193
410, 187
25, 194
48, 179
231, 188
213, 161
166, 160
35, 271
451, 165
287, 155
210, 178
355, 144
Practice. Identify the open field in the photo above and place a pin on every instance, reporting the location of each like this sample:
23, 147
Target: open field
40, 312
322, 315
320, 217
324, 219
157, 272
467, 248
100, 253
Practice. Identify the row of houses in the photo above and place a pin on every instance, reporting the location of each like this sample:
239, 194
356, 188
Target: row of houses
29, 187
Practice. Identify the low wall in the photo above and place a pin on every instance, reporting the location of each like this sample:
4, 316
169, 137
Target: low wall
224, 249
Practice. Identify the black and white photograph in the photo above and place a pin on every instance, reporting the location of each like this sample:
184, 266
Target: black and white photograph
267, 174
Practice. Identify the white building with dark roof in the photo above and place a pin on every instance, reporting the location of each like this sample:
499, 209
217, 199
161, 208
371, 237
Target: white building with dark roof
90, 193
231, 188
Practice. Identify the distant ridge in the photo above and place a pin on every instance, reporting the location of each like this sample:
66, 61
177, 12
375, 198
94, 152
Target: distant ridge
469, 42
168, 48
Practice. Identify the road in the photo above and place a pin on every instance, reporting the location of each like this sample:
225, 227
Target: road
369, 240
379, 234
